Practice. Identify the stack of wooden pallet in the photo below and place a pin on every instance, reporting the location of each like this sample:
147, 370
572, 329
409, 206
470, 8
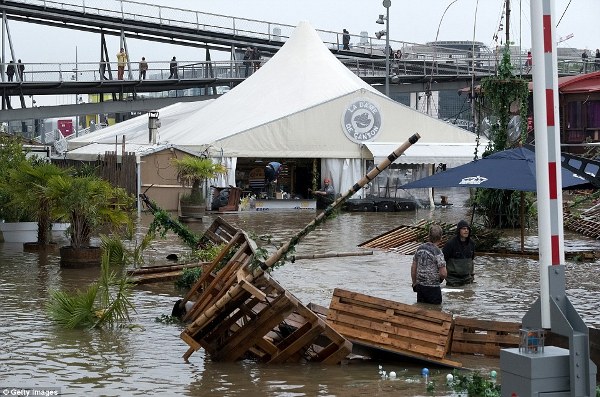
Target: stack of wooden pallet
392, 326
587, 223
238, 313
406, 239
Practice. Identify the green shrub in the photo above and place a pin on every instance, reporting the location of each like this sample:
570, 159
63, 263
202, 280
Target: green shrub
188, 278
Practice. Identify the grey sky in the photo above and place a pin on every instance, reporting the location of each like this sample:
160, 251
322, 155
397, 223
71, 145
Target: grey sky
413, 21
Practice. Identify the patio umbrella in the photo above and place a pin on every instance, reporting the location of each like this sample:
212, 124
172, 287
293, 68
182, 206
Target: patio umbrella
512, 169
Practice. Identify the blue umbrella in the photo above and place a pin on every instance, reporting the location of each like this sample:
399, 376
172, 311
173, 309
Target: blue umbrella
512, 169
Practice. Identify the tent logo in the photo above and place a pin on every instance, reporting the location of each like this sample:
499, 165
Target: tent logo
473, 180
361, 121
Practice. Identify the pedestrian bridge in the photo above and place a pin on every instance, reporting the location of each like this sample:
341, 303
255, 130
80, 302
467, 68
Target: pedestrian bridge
419, 67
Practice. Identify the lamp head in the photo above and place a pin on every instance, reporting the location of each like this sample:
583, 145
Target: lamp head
380, 19
380, 34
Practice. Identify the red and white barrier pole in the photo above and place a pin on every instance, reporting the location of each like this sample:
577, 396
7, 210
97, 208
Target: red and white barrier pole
547, 147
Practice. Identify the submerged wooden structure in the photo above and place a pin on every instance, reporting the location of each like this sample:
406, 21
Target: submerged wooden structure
258, 317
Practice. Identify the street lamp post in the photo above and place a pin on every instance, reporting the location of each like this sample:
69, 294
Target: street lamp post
386, 4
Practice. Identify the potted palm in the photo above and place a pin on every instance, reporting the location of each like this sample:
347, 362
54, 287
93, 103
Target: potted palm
194, 172
16, 222
89, 204
27, 185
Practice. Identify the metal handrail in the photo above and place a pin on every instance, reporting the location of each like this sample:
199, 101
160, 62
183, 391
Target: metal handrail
412, 64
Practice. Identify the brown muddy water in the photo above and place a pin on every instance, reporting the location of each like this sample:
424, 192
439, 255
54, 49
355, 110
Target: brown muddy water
146, 359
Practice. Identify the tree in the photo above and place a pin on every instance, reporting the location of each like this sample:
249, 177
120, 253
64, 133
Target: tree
502, 208
88, 203
27, 184
11, 155
194, 171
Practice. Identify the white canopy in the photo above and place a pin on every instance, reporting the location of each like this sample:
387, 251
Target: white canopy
294, 106
302, 103
451, 154
134, 130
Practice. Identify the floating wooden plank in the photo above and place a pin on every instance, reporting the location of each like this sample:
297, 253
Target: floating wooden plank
403, 329
330, 255
472, 336
219, 232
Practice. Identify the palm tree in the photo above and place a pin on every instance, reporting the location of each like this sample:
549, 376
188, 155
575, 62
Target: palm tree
28, 187
194, 171
11, 155
88, 203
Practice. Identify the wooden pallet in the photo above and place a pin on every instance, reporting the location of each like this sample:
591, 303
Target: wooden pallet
403, 329
219, 232
472, 336
237, 315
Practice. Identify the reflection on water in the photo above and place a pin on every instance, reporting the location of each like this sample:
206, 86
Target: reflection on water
146, 359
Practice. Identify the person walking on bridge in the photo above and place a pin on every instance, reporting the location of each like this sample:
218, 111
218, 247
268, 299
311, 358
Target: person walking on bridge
10, 70
346, 40
143, 68
173, 69
121, 59
21, 70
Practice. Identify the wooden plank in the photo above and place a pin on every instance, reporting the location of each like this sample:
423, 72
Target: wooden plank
300, 341
398, 320
334, 353
390, 325
190, 341
156, 277
355, 297
398, 345
375, 328
247, 336
473, 336
502, 326
440, 361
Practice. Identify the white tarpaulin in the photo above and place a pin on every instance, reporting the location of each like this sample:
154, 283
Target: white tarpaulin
451, 154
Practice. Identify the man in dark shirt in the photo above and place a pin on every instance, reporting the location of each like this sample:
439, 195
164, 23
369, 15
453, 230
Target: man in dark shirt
459, 253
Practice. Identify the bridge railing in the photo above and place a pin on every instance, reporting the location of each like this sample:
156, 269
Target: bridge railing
167, 16
130, 10
410, 64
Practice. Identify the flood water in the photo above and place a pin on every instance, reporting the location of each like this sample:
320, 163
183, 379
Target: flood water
145, 359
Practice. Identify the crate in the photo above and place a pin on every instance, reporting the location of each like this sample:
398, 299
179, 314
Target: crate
485, 337
532, 340
395, 327
237, 314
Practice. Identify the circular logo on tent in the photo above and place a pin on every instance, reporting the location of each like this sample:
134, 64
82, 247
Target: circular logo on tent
361, 121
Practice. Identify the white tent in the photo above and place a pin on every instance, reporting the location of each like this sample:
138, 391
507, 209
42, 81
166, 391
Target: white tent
304, 103
299, 105
134, 130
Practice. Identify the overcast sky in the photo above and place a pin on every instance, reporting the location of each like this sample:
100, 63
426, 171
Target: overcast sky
412, 21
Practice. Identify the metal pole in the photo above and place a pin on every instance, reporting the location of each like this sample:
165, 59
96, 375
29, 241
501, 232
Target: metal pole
387, 4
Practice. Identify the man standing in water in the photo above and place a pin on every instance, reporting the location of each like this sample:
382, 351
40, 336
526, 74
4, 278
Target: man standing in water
326, 195
459, 253
428, 269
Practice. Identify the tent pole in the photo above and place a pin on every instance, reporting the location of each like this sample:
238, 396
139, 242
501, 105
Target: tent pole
522, 221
